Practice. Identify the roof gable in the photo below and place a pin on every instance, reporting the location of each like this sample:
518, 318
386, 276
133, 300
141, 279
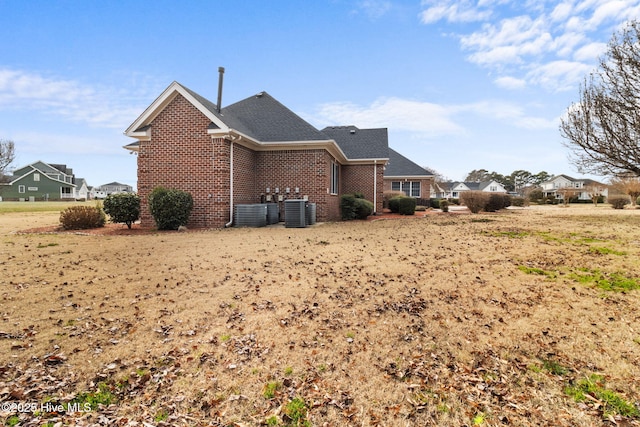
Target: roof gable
140, 127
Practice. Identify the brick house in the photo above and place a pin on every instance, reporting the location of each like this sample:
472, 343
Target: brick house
251, 151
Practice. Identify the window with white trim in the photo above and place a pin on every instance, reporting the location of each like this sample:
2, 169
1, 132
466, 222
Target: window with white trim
20, 188
36, 177
335, 169
410, 188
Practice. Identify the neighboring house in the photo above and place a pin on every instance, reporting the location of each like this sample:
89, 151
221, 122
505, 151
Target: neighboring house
402, 174
82, 189
452, 190
115, 187
560, 185
253, 150
42, 181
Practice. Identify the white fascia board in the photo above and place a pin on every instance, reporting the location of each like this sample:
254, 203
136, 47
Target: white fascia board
409, 177
160, 103
373, 161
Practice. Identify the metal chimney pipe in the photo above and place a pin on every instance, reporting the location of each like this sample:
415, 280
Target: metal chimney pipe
221, 74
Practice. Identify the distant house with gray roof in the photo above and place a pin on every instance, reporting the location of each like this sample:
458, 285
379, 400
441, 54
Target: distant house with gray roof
250, 151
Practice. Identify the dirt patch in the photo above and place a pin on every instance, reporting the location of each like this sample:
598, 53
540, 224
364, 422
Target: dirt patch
445, 319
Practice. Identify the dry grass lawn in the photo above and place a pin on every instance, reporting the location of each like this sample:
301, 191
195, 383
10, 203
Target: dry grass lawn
526, 317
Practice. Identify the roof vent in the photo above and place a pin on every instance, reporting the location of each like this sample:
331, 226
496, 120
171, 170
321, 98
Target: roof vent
259, 95
352, 131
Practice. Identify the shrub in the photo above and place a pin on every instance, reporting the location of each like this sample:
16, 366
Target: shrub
352, 206
364, 208
518, 201
406, 205
170, 208
497, 201
444, 205
619, 202
536, 196
394, 203
475, 201
82, 217
388, 195
348, 207
123, 207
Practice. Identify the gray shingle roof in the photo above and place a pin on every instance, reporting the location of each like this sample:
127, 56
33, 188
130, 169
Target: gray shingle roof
399, 165
360, 143
262, 117
265, 119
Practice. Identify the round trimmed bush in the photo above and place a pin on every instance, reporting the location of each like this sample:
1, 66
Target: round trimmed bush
170, 208
122, 207
353, 206
406, 205
364, 208
444, 205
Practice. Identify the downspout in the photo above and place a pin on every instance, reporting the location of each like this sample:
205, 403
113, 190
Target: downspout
230, 183
375, 187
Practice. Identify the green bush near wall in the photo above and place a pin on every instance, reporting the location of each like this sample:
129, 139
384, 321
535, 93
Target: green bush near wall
170, 208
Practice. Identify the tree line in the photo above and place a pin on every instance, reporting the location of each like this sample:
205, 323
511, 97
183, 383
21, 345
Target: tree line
515, 182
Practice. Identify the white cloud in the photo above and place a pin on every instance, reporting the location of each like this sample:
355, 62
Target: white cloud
74, 101
374, 9
590, 52
454, 11
533, 36
508, 82
562, 11
425, 118
558, 75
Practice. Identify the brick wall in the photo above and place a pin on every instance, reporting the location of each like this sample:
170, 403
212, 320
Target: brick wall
307, 170
181, 155
359, 178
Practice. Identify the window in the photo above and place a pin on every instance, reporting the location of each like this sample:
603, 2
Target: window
335, 168
36, 177
410, 188
20, 188
493, 188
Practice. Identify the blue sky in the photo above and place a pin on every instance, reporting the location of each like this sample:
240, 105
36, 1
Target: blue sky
460, 85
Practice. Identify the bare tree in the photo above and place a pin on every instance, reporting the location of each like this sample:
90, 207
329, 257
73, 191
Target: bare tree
629, 185
567, 193
7, 155
602, 130
595, 192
